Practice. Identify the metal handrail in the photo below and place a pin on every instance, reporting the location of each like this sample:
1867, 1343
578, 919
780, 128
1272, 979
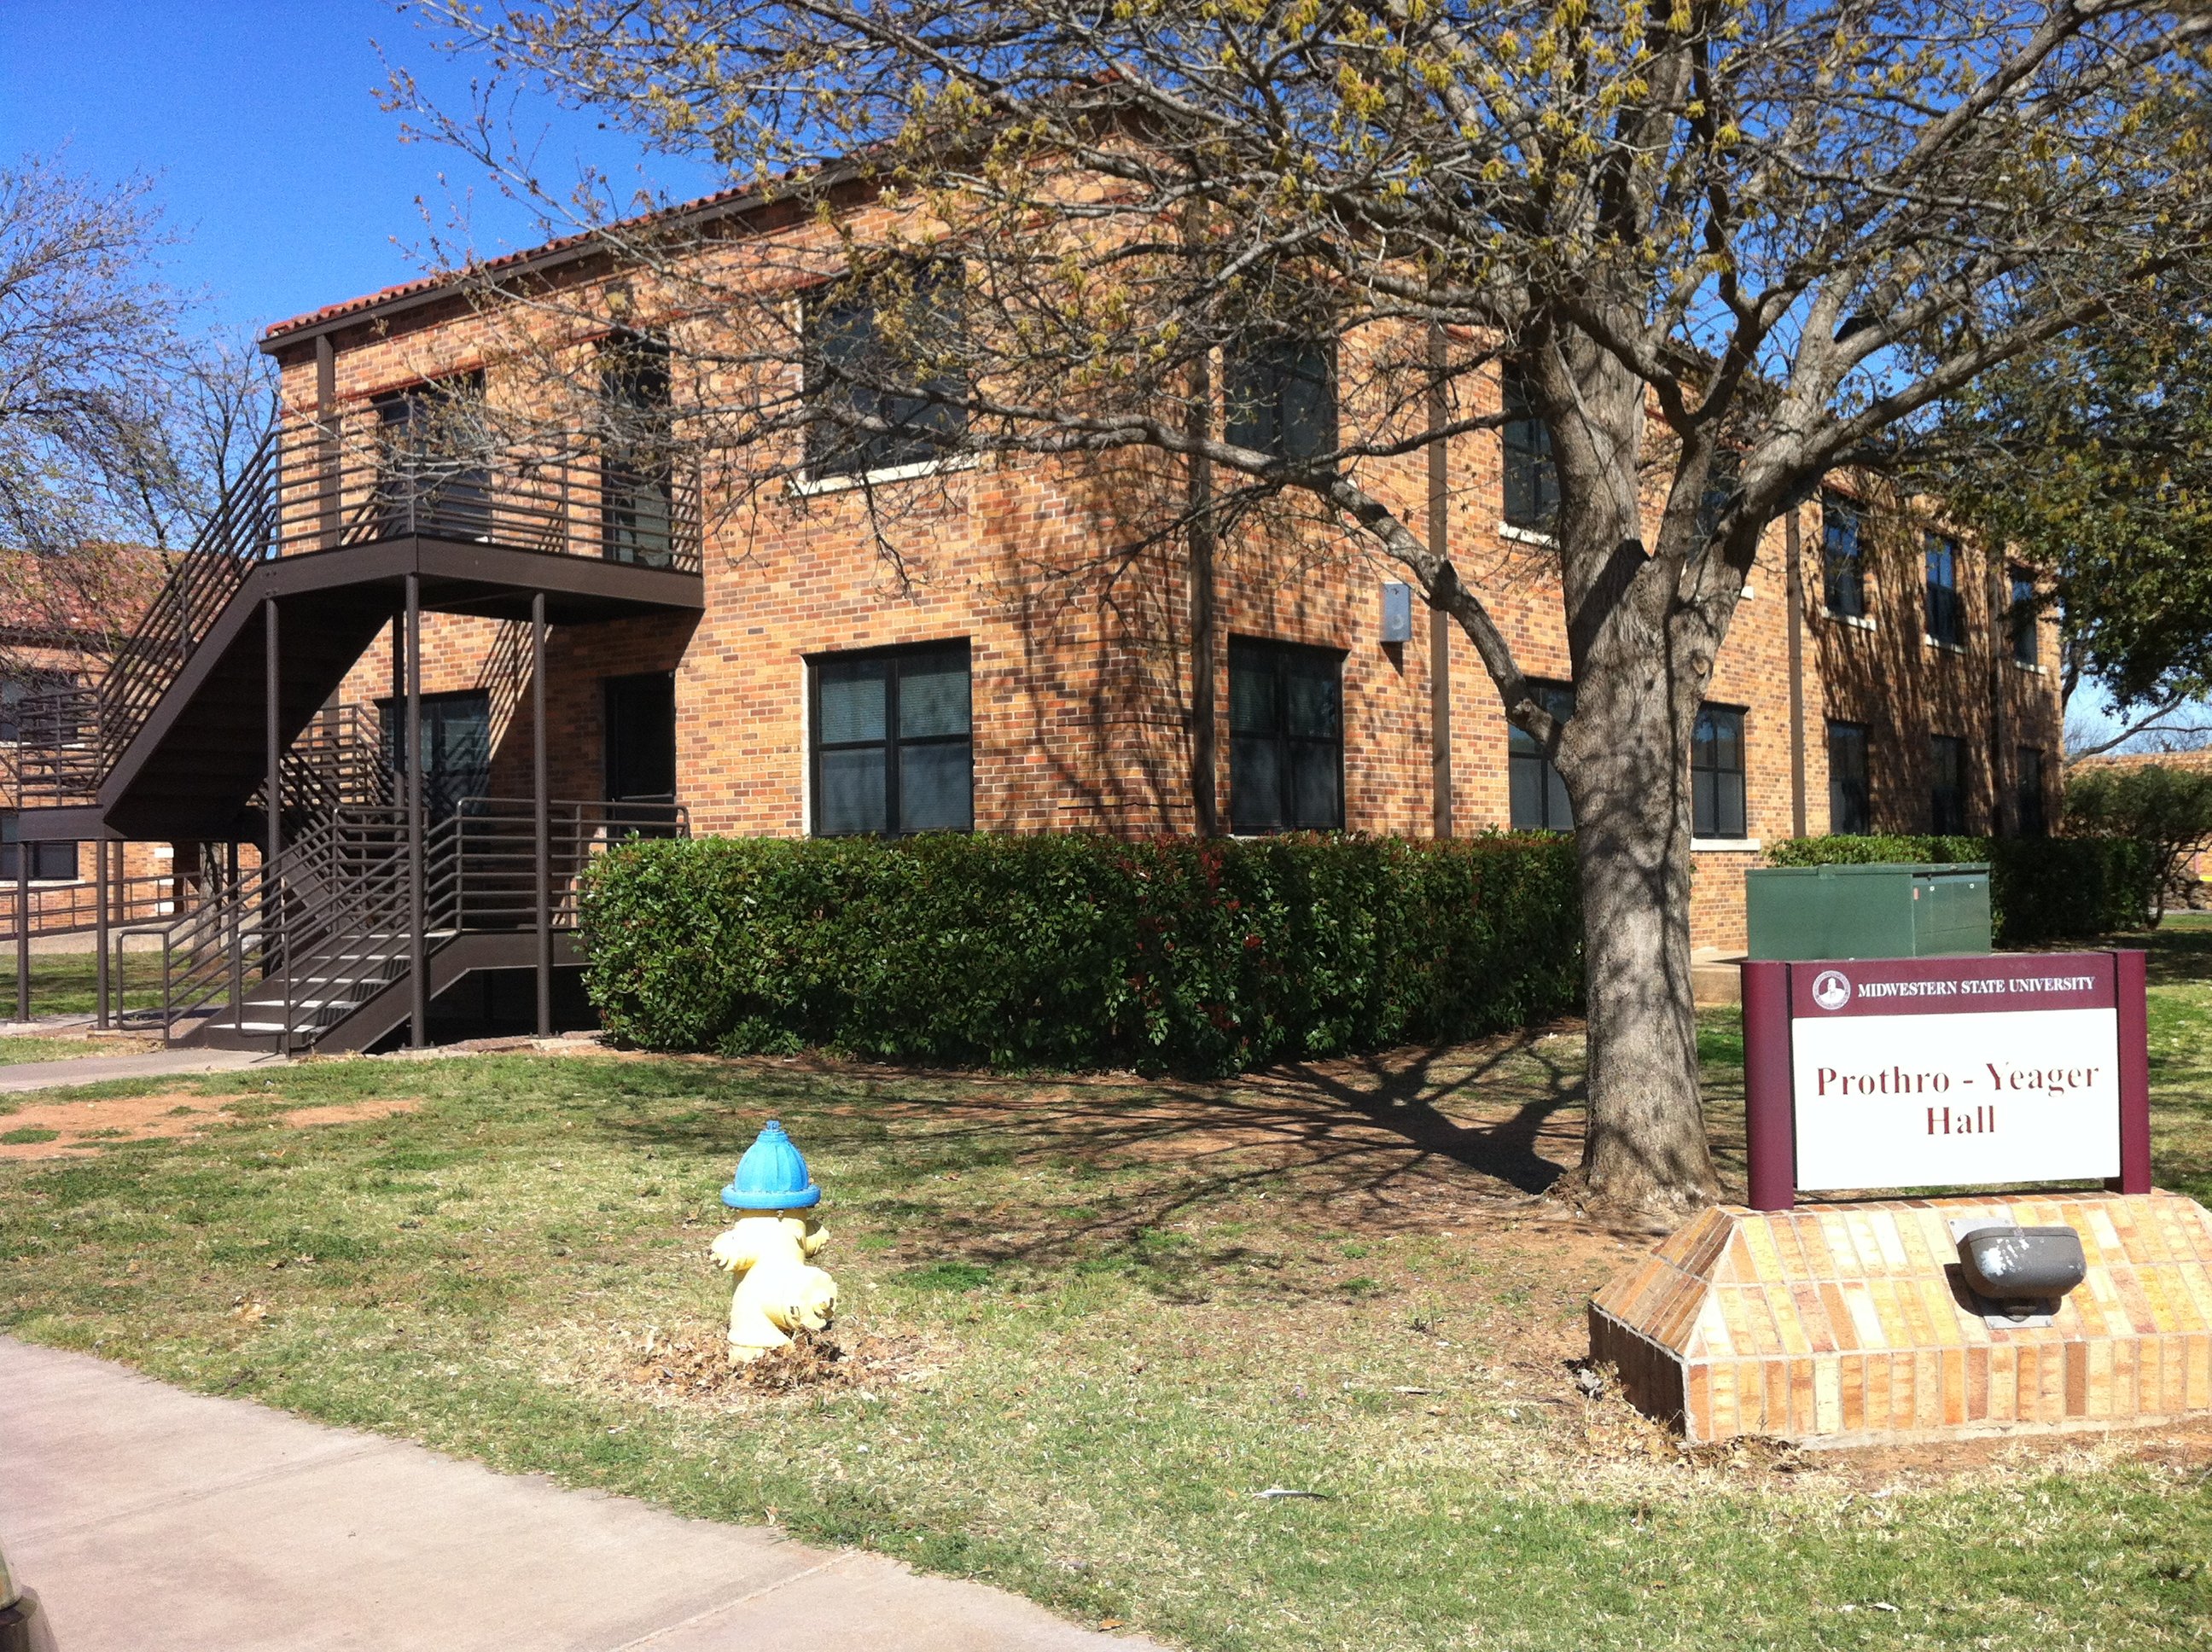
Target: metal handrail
334, 925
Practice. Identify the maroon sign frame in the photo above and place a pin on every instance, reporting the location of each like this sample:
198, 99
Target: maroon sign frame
1773, 992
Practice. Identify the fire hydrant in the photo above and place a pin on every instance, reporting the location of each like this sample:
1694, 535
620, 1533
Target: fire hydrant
778, 1290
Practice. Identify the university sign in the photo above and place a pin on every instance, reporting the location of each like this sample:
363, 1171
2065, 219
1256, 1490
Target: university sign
1957, 1072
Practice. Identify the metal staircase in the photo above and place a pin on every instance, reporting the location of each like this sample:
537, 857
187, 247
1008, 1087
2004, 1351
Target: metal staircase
320, 957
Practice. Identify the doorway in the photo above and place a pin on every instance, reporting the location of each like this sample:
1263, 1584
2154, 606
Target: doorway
641, 724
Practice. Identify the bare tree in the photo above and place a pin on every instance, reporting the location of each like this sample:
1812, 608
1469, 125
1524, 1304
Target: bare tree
118, 421
1720, 247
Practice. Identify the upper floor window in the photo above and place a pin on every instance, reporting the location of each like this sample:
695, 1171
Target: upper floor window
1945, 619
41, 706
1536, 796
2022, 616
432, 479
637, 467
892, 742
1532, 480
1717, 799
1282, 398
1843, 562
881, 402
1850, 797
1285, 737
1946, 785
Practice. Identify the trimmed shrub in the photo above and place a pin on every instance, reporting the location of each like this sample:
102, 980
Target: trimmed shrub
1080, 951
2041, 889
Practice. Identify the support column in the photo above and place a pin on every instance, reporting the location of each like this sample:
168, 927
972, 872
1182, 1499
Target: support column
418, 986
541, 813
100, 1020
1440, 624
272, 888
22, 926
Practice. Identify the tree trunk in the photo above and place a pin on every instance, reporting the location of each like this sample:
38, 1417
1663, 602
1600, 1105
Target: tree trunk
1639, 680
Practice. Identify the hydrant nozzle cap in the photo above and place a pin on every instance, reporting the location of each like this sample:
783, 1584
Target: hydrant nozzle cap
772, 1176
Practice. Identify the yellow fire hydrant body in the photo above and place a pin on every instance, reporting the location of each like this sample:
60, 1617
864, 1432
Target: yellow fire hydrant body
778, 1290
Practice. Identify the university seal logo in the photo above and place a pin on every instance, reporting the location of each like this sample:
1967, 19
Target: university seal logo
1829, 990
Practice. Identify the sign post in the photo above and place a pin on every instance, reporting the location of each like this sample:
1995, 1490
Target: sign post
1952, 1071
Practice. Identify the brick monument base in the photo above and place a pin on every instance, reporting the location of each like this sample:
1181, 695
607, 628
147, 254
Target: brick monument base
1848, 1325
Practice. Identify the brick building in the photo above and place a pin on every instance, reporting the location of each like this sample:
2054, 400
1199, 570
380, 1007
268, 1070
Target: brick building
760, 665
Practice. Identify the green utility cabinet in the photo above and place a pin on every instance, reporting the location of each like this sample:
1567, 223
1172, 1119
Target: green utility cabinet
1884, 911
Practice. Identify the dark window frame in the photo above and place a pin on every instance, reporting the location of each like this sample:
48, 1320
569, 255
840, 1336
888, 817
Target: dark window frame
1944, 617
51, 862
1720, 805
36, 685
617, 760
442, 797
2023, 617
1530, 476
924, 427
1850, 797
1842, 557
1535, 795
1290, 753
421, 487
894, 742
1947, 799
637, 471
1260, 384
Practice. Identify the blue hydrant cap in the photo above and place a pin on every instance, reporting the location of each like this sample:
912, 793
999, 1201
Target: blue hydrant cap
771, 1176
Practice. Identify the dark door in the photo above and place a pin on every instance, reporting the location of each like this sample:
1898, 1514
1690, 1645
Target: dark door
456, 747
641, 713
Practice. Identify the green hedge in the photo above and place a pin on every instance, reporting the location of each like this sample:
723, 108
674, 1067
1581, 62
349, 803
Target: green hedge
2041, 889
1080, 951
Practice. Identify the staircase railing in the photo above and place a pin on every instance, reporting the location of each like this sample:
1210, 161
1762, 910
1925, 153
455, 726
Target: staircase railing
320, 486
334, 927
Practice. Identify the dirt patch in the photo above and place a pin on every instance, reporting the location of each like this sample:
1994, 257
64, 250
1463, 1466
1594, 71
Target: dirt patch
383, 1106
76, 1129
694, 1366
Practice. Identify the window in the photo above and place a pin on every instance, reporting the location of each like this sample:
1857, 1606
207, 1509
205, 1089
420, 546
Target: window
1946, 785
1716, 774
2027, 782
1946, 623
893, 743
431, 478
641, 743
1282, 398
1537, 796
51, 863
1850, 797
1843, 564
1723, 482
853, 375
456, 747
637, 472
1532, 480
1285, 737
2021, 616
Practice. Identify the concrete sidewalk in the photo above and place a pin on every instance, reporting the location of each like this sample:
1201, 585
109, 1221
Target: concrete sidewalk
144, 1515
98, 1069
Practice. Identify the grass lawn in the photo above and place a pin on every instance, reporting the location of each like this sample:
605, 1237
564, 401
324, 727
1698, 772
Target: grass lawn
66, 983
1086, 1321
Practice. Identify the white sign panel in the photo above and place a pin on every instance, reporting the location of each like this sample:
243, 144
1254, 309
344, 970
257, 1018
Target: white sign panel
1922, 1099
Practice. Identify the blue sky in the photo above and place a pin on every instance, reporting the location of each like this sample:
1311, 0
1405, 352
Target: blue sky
258, 124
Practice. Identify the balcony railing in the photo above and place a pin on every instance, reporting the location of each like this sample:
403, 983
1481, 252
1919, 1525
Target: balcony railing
336, 486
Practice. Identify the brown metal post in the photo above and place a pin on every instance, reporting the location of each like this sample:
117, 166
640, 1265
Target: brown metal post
1440, 624
2130, 972
541, 811
272, 892
22, 928
237, 936
418, 986
100, 931
1770, 1117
